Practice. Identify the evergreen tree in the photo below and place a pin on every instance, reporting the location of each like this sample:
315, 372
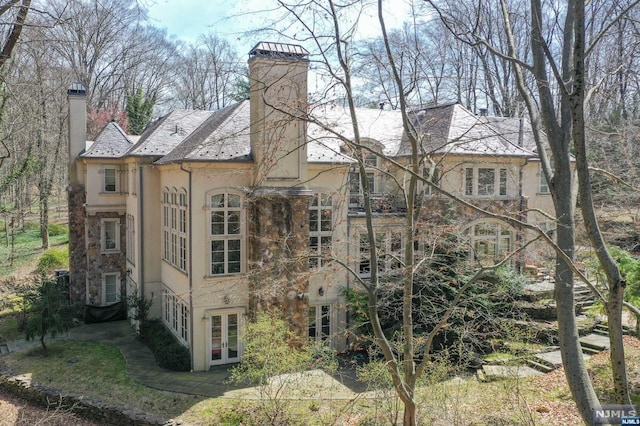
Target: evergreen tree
139, 109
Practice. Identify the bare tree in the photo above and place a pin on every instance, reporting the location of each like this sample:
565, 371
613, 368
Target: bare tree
555, 105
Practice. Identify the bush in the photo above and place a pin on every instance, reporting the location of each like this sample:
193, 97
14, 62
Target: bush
57, 229
51, 260
169, 353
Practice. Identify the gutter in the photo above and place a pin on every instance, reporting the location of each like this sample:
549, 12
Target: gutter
190, 267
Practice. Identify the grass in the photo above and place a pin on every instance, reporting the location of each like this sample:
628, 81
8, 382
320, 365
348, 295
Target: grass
27, 247
97, 371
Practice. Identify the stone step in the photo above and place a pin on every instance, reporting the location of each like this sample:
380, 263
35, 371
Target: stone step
4, 349
540, 365
496, 372
589, 351
595, 341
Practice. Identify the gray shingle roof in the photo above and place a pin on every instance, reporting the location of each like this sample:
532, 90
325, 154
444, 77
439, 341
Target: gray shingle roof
163, 135
112, 142
223, 136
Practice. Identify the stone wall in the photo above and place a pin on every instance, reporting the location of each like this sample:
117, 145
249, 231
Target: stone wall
98, 262
77, 249
278, 256
22, 387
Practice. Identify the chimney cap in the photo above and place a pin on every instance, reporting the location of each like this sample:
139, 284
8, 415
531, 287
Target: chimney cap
279, 50
76, 88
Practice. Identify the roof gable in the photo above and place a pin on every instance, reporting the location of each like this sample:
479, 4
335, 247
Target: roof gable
112, 142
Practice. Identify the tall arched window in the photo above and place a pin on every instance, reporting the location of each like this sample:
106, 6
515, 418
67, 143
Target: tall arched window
491, 241
225, 234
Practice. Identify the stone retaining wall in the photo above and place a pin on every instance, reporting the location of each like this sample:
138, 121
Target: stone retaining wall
22, 387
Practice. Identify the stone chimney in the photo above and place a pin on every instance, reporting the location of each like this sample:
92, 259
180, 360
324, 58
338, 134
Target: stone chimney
278, 94
77, 104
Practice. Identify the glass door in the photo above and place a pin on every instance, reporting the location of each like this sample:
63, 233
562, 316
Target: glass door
225, 338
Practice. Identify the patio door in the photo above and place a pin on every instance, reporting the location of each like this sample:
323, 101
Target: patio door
225, 342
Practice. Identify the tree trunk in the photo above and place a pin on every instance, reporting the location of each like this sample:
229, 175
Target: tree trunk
44, 220
571, 351
410, 413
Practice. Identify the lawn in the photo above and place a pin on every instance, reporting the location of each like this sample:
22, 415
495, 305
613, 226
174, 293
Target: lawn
97, 371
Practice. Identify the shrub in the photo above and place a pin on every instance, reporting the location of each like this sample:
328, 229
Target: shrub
51, 260
57, 229
169, 353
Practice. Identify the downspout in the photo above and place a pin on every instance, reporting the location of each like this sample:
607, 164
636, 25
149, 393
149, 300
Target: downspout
141, 225
190, 267
520, 236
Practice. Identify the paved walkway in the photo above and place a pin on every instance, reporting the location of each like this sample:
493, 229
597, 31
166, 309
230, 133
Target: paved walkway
141, 366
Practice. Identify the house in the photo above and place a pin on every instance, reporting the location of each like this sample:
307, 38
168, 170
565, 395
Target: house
215, 215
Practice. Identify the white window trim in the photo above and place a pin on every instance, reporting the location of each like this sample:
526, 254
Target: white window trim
226, 237
131, 239
317, 254
104, 287
175, 315
103, 235
384, 244
116, 173
175, 250
495, 239
475, 181
319, 336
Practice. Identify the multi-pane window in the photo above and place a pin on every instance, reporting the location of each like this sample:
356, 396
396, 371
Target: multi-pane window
225, 234
175, 315
490, 241
389, 250
320, 229
131, 239
110, 235
355, 185
110, 288
485, 181
110, 179
320, 322
544, 185
431, 174
174, 228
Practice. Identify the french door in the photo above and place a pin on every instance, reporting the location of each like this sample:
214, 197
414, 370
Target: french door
225, 337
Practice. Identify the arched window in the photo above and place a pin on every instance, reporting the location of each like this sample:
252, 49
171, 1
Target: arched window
490, 241
225, 234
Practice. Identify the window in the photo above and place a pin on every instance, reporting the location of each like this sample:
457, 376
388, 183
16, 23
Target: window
485, 181
131, 239
174, 228
175, 315
110, 179
320, 229
320, 323
355, 187
110, 288
224, 234
110, 238
544, 185
431, 174
389, 247
490, 241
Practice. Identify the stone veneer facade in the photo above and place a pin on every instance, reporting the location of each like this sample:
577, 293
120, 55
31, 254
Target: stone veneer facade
99, 262
278, 255
77, 245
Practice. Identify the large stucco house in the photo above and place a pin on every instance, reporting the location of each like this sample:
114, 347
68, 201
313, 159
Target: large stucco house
214, 215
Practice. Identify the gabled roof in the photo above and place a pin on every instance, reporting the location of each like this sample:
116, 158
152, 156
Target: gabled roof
112, 142
163, 135
223, 136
